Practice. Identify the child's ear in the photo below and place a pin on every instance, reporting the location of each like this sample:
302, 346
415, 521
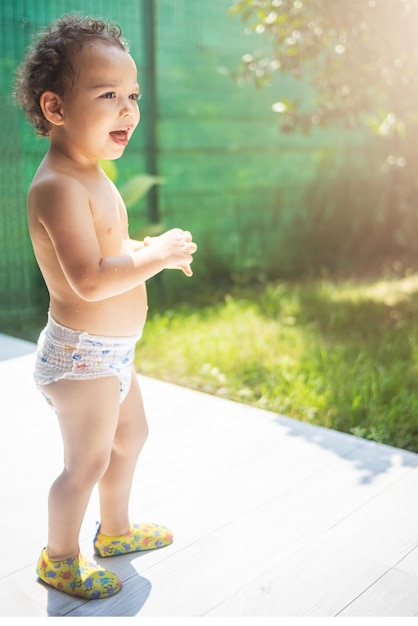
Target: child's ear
51, 105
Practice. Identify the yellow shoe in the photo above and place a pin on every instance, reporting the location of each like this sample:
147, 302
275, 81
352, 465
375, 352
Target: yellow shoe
78, 577
139, 537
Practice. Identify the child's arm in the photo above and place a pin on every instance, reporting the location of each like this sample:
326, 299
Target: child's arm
62, 208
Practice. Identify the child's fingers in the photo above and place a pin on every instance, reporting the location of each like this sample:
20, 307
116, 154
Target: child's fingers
186, 269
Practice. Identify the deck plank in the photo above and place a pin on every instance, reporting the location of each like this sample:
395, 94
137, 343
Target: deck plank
385, 528
393, 595
314, 580
271, 516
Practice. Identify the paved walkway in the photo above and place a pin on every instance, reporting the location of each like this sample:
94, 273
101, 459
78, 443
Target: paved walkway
271, 516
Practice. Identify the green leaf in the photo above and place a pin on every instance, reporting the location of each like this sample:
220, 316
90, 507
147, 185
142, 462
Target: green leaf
136, 188
109, 169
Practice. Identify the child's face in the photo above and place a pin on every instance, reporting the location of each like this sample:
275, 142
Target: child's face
101, 111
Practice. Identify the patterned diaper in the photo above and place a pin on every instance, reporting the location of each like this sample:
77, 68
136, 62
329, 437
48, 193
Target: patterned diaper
76, 355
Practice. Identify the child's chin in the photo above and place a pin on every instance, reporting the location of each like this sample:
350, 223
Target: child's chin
113, 156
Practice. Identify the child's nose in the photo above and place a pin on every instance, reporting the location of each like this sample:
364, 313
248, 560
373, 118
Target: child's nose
129, 108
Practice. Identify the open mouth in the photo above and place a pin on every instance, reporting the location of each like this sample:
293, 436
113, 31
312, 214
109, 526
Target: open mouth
121, 136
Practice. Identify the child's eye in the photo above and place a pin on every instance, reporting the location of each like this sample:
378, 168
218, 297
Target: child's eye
135, 96
109, 95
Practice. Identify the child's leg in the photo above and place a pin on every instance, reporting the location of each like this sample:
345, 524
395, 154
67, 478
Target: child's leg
115, 484
88, 415
116, 534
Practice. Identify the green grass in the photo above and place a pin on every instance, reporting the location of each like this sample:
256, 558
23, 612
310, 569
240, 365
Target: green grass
339, 355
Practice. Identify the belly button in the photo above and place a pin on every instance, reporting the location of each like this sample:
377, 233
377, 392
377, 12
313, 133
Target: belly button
110, 230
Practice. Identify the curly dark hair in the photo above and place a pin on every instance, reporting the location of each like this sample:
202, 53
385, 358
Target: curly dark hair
50, 65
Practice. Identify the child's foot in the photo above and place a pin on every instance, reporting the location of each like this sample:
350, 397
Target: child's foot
139, 537
78, 577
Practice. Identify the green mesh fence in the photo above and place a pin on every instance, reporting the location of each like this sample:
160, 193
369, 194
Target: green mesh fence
229, 175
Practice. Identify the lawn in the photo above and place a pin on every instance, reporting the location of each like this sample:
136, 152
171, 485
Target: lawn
343, 355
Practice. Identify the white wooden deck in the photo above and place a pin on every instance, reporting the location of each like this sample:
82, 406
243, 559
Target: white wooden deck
271, 516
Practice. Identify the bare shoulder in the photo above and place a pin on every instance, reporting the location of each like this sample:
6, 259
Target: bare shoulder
51, 190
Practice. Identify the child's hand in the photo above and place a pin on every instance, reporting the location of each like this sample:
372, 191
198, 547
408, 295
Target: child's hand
137, 245
186, 269
177, 248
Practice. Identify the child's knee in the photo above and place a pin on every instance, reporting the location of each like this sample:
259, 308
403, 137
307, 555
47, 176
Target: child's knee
141, 434
89, 469
145, 430
129, 442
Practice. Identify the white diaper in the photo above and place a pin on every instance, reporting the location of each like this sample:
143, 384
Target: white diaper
64, 353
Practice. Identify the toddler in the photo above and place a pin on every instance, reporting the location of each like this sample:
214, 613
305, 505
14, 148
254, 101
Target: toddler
78, 86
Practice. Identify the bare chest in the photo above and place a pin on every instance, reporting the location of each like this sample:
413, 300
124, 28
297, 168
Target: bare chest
110, 219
